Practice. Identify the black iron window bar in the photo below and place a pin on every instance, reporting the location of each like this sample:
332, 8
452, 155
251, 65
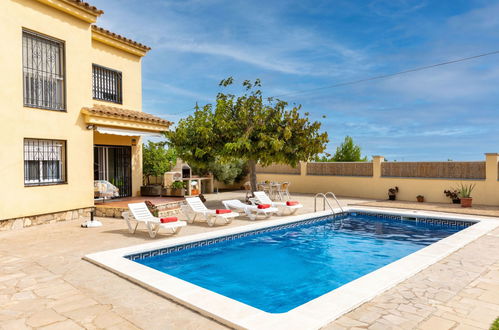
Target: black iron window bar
43, 72
44, 162
106, 84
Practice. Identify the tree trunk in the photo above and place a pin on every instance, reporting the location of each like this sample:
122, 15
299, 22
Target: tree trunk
252, 172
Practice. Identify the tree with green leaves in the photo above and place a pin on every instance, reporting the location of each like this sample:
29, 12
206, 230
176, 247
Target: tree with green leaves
227, 173
249, 128
156, 159
348, 151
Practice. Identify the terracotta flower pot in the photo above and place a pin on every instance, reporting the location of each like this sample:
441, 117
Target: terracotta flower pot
466, 201
420, 199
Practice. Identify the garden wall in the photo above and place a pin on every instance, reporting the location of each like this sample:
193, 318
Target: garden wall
373, 179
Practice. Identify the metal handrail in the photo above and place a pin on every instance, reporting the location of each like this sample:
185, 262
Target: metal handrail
324, 201
334, 196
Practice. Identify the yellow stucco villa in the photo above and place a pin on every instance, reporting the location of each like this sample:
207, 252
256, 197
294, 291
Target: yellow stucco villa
70, 111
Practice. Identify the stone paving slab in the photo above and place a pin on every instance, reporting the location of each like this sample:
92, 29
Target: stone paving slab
44, 283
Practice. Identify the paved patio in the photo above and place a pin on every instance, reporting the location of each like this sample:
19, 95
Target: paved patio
45, 284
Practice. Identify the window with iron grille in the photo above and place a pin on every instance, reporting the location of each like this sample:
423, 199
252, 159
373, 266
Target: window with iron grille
106, 85
44, 162
43, 72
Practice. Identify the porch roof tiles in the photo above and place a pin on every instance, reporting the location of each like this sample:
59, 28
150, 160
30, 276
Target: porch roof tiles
109, 111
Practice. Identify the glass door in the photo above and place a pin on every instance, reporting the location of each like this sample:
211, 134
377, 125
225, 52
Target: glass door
114, 164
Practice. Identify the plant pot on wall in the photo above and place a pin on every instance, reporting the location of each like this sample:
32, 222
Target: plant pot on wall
466, 201
420, 198
456, 201
392, 193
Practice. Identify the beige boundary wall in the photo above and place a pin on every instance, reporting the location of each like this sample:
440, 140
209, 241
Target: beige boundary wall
376, 186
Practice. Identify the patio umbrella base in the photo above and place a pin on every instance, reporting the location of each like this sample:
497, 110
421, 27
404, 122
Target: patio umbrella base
91, 224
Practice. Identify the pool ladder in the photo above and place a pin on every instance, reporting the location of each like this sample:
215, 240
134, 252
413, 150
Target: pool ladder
325, 201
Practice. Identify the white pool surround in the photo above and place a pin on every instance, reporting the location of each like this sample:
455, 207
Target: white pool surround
311, 315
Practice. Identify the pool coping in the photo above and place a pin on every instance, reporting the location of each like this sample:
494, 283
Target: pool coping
311, 315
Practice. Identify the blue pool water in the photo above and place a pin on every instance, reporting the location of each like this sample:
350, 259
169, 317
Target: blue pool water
280, 270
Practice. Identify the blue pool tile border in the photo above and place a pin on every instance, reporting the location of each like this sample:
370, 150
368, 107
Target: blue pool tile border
435, 221
178, 248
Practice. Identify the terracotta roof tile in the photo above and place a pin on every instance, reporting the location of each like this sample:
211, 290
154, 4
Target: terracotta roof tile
106, 110
86, 6
120, 37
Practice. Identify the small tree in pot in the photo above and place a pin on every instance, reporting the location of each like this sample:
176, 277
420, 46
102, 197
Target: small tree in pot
392, 193
156, 160
465, 194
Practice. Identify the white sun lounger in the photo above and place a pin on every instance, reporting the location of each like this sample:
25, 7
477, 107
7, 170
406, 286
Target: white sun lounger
252, 211
196, 206
263, 198
141, 214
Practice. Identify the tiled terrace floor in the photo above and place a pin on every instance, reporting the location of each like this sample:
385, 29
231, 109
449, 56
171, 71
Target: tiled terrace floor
45, 284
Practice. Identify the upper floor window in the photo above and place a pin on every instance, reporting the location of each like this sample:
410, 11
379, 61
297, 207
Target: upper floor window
43, 71
44, 162
106, 85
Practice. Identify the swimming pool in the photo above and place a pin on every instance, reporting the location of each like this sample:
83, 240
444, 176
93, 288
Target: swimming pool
319, 296
279, 270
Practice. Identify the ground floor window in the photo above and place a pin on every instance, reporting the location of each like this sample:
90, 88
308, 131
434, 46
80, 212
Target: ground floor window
44, 162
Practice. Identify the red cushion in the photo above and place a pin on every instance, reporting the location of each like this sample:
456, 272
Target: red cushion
263, 206
169, 219
292, 203
222, 211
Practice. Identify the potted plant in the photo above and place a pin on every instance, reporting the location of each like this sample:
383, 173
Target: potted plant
420, 198
392, 193
177, 188
453, 195
465, 194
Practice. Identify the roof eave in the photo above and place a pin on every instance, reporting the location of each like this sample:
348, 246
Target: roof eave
88, 15
119, 42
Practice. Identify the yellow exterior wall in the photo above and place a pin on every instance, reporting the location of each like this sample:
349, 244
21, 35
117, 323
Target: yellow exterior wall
376, 187
129, 65
18, 122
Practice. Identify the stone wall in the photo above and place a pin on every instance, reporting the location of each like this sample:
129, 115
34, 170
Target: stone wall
167, 209
19, 223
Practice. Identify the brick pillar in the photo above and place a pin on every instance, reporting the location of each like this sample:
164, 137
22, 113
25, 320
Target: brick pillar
377, 160
491, 160
303, 168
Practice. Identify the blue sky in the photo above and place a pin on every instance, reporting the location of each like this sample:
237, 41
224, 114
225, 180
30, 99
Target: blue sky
449, 112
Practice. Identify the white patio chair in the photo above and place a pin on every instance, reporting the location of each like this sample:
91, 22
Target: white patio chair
141, 214
252, 211
262, 198
196, 206
283, 190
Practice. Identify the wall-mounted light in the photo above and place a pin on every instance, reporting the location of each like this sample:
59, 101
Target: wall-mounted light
134, 142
